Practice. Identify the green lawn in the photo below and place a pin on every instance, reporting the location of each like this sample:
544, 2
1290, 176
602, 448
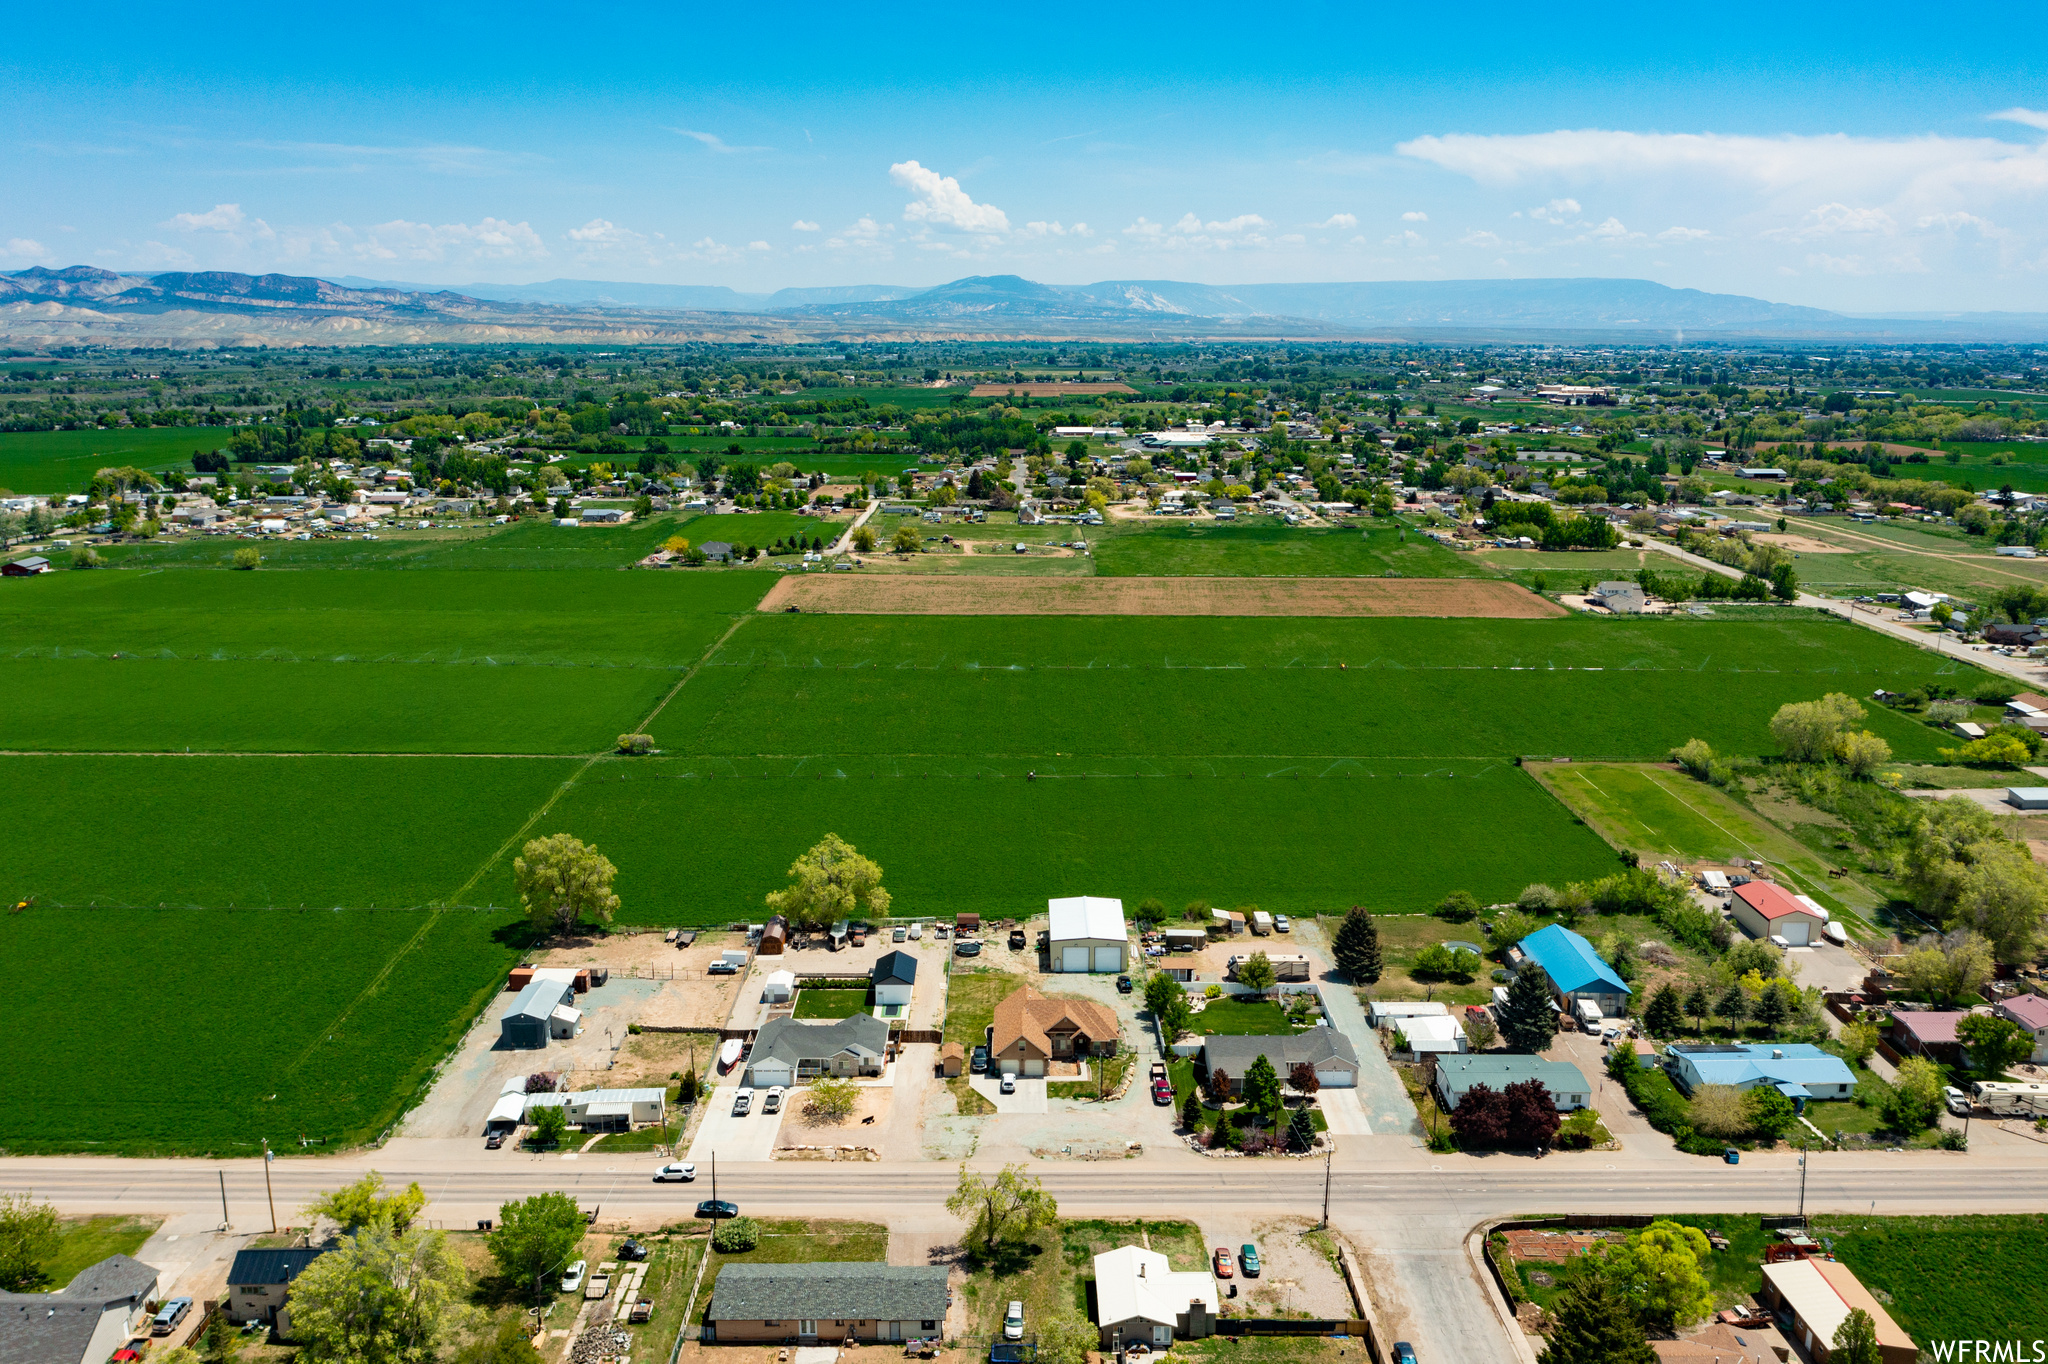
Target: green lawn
971, 999
816, 1003
1231, 1018
1275, 550
85, 1241
796, 1241
1950, 1278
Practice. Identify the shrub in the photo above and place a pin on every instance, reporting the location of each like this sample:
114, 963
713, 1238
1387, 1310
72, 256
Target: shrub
636, 743
735, 1235
1458, 907
1719, 1111
247, 557
90, 558
1582, 1131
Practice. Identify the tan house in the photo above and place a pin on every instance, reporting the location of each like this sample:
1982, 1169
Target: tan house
1031, 1030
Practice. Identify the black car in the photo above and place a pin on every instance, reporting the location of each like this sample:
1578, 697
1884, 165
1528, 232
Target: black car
632, 1250
1123, 985
717, 1207
1404, 1353
980, 1060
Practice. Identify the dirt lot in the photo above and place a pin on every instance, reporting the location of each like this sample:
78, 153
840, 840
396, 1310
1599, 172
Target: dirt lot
1801, 544
800, 1129
687, 998
897, 596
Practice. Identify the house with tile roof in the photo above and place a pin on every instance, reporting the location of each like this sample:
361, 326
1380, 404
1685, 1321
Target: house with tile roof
1031, 1030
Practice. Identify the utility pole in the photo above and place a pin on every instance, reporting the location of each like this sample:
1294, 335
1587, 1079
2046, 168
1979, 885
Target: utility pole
225, 1225
1328, 1157
267, 1192
1802, 1184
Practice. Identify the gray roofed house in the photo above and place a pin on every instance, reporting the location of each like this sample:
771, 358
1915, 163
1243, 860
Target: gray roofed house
259, 1284
716, 549
788, 1051
84, 1321
1331, 1053
1565, 1081
1622, 598
894, 979
830, 1301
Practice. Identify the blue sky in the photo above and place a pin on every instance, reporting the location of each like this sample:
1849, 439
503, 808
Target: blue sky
1852, 157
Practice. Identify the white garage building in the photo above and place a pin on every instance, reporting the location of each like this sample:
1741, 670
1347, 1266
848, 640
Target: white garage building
1088, 934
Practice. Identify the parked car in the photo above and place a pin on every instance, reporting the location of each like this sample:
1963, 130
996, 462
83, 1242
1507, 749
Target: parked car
717, 1207
572, 1277
678, 1172
1731, 1156
1162, 1093
1958, 1102
1404, 1353
980, 1060
773, 1102
167, 1320
1016, 940
1222, 1262
1280, 924
632, 1250
1249, 1255
1009, 1084
743, 1102
1123, 985
967, 947
494, 1141
721, 968
1013, 1321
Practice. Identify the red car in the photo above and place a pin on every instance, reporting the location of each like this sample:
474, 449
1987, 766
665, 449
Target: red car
1162, 1094
1223, 1263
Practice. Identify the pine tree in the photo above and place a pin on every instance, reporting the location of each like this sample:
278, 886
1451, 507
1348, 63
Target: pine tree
1733, 1007
1301, 1131
1664, 1017
1527, 1022
1191, 1112
1696, 1006
1771, 1009
1594, 1326
1357, 947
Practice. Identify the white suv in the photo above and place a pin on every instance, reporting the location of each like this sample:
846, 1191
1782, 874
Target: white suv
742, 1102
1013, 1322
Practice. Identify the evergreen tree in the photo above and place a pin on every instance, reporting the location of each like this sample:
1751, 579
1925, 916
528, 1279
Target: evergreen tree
1596, 1327
1664, 1017
1301, 1131
1191, 1112
1732, 1006
1262, 1091
1696, 1006
1357, 947
1527, 1022
1770, 1007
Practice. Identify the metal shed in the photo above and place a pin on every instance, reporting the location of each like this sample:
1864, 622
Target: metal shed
527, 1023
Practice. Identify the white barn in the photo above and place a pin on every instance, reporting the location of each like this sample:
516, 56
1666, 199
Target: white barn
1088, 934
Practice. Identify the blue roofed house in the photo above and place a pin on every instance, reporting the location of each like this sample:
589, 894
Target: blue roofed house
1800, 1070
1575, 970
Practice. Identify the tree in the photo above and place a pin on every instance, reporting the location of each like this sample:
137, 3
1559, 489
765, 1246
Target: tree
1256, 974
1530, 1113
381, 1297
1527, 1022
506, 1343
1459, 907
1509, 927
548, 1124
535, 1238
1665, 1016
1862, 752
1944, 969
1769, 1112
1858, 1041
1718, 1111
562, 880
906, 540
1696, 758
1856, 1340
1178, 1018
1481, 1118
1068, 1338
1732, 1007
1480, 1031
1191, 1112
1964, 872
363, 1202
1006, 1208
1159, 989
1217, 1082
1696, 1006
1913, 1101
831, 882
831, 1099
1806, 730
1995, 1045
248, 557
1770, 1008
736, 1235
1262, 1090
1663, 1263
1301, 1078
1357, 947
1595, 1325
28, 1239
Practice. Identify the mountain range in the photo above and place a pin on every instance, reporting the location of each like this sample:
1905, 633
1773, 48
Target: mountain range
84, 303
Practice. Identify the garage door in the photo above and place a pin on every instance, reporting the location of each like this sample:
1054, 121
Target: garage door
1337, 1079
1109, 959
1073, 959
1033, 1066
1795, 932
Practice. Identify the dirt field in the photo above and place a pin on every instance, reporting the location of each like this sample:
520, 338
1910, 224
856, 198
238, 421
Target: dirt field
1056, 389
800, 1129
687, 998
892, 596
1800, 544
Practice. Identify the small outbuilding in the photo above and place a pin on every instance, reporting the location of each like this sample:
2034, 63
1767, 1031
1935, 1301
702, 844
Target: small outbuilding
1088, 934
530, 1021
260, 1285
1457, 1074
2027, 797
25, 568
952, 1059
774, 937
778, 988
1768, 911
894, 978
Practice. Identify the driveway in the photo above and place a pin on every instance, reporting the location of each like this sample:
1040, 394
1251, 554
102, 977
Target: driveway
1828, 967
1029, 1098
748, 1138
1343, 1111
1382, 1098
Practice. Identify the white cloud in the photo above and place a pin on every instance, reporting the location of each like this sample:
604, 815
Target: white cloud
2032, 118
1054, 229
1241, 223
942, 203
1558, 212
1834, 220
715, 142
1683, 234
1481, 239
1612, 230
491, 239
1145, 227
803, 225
1406, 237
759, 246
24, 248
228, 220
1414, 215
868, 227
1346, 221
1951, 221
599, 232
1191, 233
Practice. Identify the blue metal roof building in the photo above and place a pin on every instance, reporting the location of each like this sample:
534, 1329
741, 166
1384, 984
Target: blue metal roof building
1799, 1070
1575, 969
